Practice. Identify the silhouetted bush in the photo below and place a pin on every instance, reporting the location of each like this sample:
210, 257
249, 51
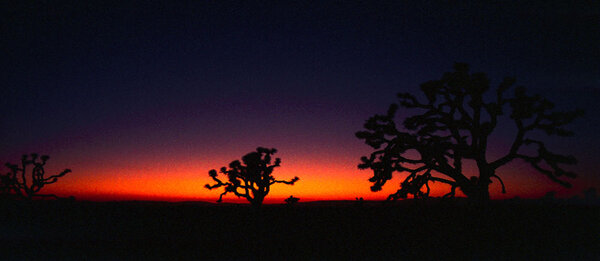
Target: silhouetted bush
252, 178
291, 200
454, 125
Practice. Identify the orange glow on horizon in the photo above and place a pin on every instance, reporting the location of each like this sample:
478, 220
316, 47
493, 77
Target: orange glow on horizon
171, 174
181, 181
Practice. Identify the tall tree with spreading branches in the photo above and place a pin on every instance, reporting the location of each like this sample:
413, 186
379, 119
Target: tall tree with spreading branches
453, 125
252, 178
21, 183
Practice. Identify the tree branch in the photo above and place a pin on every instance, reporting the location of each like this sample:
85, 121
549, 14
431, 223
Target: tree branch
501, 182
291, 182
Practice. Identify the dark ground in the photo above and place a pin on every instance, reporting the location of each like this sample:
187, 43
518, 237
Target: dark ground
69, 230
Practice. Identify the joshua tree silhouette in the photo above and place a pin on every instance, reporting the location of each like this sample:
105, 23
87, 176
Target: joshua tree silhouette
16, 183
252, 178
454, 125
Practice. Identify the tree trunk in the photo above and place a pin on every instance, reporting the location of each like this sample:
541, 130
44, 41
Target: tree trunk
477, 189
480, 185
476, 192
257, 202
482, 193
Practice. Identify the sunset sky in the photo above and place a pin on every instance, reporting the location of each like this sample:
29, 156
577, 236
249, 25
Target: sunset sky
142, 99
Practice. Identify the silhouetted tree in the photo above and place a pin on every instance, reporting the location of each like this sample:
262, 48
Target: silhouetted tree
23, 184
453, 125
252, 178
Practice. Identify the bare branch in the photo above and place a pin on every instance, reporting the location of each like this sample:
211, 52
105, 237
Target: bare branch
501, 182
291, 182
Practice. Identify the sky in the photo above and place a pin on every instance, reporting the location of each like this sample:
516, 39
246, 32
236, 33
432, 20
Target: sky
141, 99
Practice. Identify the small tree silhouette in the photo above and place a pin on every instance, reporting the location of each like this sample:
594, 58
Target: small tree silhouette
454, 125
19, 183
252, 178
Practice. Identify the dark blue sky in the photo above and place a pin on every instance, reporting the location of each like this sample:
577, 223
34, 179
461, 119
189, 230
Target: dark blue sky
307, 74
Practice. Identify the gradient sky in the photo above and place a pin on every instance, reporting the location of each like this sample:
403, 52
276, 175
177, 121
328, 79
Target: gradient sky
141, 99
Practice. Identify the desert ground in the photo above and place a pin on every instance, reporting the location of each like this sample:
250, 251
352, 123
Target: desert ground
328, 230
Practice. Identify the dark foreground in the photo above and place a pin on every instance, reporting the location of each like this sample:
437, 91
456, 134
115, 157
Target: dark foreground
410, 230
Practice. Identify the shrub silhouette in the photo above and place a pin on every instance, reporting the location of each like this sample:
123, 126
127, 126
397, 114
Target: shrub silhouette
454, 125
291, 200
20, 183
252, 178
